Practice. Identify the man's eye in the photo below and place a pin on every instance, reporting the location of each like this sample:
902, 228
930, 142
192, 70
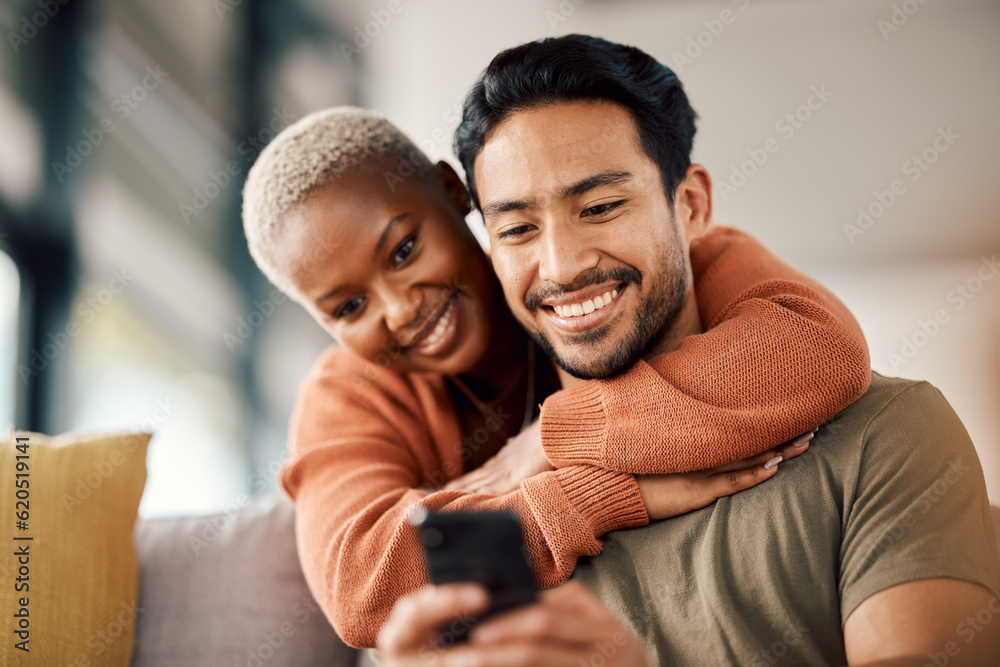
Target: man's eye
603, 209
514, 232
404, 251
348, 308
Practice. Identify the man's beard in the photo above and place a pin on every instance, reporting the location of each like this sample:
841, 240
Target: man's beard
655, 316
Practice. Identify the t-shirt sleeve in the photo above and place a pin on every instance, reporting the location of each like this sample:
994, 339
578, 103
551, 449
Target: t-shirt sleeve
781, 354
919, 508
363, 457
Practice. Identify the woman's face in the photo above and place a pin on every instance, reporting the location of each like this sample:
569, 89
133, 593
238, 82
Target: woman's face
392, 272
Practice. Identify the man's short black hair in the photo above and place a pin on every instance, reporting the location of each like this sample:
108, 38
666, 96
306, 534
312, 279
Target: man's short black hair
580, 68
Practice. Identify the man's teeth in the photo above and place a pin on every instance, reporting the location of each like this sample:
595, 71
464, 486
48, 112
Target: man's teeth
586, 307
439, 328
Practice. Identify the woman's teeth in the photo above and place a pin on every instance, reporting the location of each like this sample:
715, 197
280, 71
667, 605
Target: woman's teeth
586, 307
439, 328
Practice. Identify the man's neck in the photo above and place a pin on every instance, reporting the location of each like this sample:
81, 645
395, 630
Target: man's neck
687, 323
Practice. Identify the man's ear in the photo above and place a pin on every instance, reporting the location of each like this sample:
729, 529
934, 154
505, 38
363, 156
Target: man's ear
454, 188
694, 202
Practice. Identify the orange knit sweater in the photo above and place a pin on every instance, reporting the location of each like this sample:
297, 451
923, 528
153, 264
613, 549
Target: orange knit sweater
780, 356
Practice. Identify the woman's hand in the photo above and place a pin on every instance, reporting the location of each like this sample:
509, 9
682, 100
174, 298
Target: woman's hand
568, 627
678, 493
522, 457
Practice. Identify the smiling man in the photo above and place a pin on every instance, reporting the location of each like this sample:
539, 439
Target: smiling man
577, 151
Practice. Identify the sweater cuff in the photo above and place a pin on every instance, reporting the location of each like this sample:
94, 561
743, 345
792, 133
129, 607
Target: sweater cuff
607, 500
572, 426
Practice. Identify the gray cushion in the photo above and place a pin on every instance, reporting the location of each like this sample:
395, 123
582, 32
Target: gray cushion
227, 589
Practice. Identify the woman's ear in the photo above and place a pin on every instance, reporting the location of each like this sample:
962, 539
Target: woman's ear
454, 188
694, 202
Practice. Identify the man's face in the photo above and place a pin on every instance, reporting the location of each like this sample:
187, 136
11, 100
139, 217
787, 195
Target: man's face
593, 261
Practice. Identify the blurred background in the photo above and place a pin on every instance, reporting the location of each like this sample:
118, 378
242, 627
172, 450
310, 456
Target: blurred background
857, 138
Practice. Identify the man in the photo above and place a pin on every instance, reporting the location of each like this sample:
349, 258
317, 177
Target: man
875, 547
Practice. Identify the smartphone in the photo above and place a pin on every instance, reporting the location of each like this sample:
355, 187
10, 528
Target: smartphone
482, 547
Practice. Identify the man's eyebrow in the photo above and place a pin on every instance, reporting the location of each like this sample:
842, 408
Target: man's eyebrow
378, 248
385, 233
574, 190
503, 206
595, 181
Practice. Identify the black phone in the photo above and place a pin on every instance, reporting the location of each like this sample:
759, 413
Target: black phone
482, 547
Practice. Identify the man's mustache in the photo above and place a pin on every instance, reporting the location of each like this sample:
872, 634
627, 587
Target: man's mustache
595, 276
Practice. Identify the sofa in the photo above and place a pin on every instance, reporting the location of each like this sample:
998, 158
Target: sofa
226, 590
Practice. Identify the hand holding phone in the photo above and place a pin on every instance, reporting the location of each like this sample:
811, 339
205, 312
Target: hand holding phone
481, 547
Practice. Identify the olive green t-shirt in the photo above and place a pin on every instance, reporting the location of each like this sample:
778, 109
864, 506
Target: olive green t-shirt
890, 491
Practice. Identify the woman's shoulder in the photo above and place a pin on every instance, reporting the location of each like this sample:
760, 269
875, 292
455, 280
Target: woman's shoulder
339, 372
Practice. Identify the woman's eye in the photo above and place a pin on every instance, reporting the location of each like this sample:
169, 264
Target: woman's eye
404, 251
514, 232
348, 308
603, 209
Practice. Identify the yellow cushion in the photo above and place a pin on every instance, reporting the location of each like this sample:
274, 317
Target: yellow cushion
72, 598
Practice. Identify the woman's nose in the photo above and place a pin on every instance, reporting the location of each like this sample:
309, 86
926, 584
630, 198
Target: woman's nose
402, 308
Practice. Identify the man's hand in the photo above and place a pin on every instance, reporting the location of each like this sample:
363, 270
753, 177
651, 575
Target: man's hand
522, 457
678, 493
568, 626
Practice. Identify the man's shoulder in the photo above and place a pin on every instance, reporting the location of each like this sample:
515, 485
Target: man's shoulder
884, 390
887, 398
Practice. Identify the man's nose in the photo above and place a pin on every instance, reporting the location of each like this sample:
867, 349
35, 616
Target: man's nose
402, 306
565, 254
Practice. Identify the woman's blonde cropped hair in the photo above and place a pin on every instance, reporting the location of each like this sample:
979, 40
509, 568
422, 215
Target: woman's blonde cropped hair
309, 153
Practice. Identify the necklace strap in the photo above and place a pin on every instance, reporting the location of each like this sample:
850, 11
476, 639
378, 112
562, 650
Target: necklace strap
487, 411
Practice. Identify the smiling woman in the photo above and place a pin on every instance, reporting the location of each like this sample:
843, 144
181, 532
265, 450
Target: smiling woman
414, 266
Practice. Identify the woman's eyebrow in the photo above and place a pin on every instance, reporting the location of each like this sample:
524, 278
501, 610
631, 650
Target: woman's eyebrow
383, 237
385, 233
